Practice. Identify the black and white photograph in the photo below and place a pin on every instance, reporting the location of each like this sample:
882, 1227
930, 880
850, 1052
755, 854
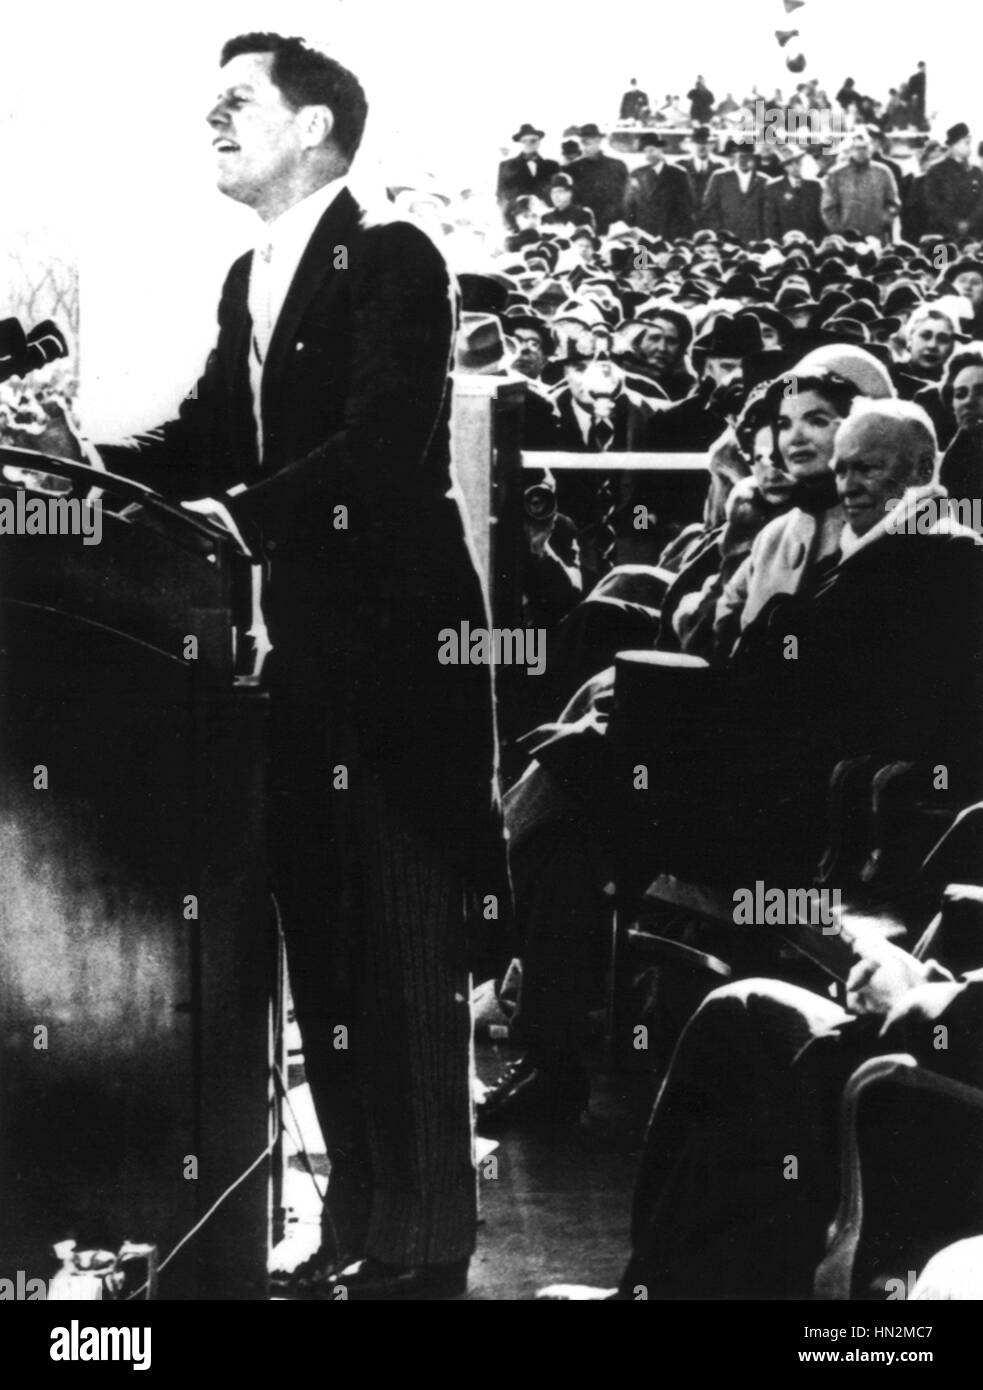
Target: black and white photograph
491, 663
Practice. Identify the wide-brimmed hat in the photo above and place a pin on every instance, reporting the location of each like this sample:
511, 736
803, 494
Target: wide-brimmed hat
590, 132
480, 343
739, 284
483, 294
732, 335
902, 297
527, 129
524, 318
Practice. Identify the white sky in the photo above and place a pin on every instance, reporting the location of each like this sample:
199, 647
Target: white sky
102, 128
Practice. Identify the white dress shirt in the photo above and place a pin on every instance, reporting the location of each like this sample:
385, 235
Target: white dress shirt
276, 257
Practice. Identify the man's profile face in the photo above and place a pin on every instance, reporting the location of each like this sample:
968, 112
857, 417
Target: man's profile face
256, 135
962, 148
873, 464
930, 344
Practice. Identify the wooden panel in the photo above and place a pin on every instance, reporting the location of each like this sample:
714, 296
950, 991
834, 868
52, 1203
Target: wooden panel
156, 1024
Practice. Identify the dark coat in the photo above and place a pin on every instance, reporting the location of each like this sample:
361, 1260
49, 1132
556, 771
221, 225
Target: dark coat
699, 179
515, 179
727, 209
577, 493
356, 407
601, 184
961, 471
789, 209
634, 104
930, 399
888, 661
661, 203
574, 216
689, 426
953, 195
914, 219
701, 102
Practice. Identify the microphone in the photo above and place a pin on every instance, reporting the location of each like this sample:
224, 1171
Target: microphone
45, 343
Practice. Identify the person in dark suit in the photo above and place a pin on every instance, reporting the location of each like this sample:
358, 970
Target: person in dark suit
792, 202
882, 155
320, 429
600, 182
701, 102
735, 197
596, 412
526, 173
564, 214
634, 103
700, 167
954, 188
659, 197
915, 95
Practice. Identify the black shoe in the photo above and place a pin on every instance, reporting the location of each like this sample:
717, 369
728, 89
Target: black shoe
530, 1092
310, 1278
371, 1279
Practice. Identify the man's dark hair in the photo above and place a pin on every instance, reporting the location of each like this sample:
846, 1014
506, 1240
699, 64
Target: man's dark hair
308, 77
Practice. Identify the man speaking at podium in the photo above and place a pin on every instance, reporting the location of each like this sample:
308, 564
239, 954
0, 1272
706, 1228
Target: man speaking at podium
320, 427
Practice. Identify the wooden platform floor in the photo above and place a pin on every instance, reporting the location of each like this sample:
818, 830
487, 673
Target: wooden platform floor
555, 1205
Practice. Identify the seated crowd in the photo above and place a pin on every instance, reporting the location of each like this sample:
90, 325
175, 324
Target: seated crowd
825, 607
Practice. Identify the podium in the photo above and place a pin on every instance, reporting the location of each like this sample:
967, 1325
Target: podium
136, 950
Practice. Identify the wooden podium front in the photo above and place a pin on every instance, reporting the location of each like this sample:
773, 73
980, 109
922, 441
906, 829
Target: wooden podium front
136, 953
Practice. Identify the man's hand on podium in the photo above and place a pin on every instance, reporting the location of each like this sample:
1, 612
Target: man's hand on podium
219, 515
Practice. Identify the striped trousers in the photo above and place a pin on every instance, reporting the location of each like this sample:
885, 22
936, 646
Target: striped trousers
374, 926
